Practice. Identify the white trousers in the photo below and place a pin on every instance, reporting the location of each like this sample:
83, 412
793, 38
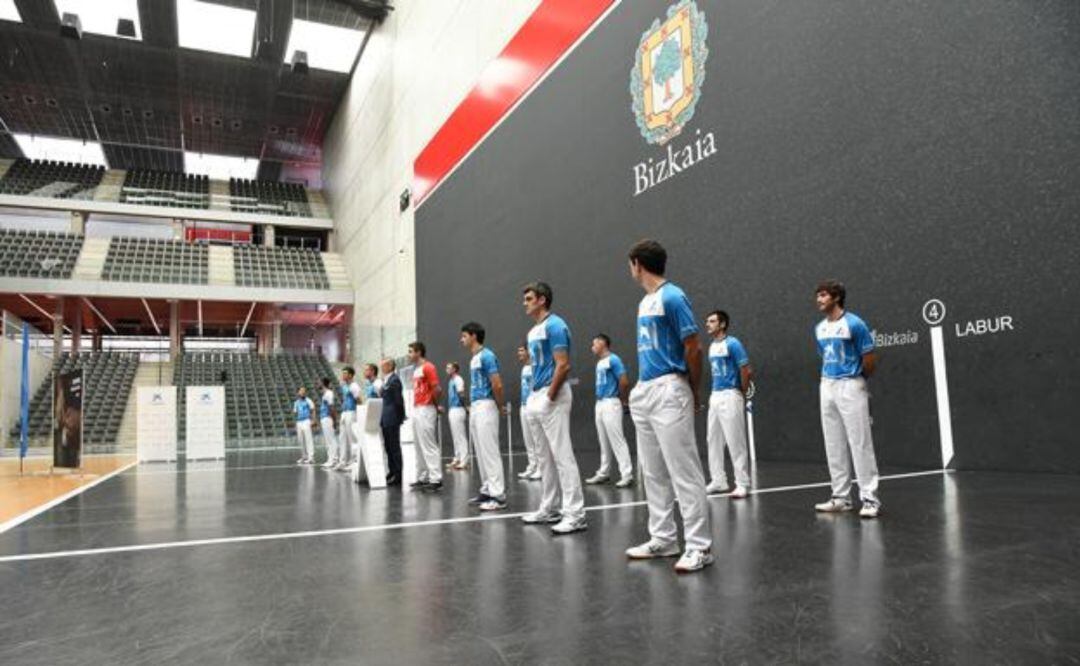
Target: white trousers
330, 440
527, 438
560, 481
663, 413
609, 430
307, 441
428, 455
347, 437
845, 422
459, 432
727, 429
484, 427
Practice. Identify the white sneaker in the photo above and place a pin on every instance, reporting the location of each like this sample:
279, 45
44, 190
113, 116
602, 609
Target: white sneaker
567, 526
740, 492
597, 479
625, 482
526, 474
694, 560
716, 487
341, 467
538, 517
651, 549
493, 504
870, 509
535, 476
301, 461
834, 505
329, 464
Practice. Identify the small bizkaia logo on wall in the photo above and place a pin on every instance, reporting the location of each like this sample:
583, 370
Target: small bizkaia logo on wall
665, 85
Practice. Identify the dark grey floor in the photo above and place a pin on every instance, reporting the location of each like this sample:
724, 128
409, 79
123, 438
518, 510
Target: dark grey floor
973, 568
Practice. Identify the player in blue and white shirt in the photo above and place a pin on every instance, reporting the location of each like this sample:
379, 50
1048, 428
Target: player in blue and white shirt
487, 402
548, 412
303, 409
458, 415
532, 468
612, 393
372, 383
731, 375
349, 390
662, 406
326, 424
846, 347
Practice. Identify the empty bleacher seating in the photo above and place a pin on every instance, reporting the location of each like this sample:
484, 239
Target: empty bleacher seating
259, 389
38, 254
153, 260
279, 267
107, 380
165, 188
269, 197
46, 178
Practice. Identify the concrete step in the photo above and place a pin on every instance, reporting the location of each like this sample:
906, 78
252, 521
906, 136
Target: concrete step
91, 259
219, 195
221, 272
336, 272
111, 184
4, 166
317, 201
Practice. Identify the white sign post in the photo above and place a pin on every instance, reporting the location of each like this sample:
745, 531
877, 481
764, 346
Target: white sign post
156, 424
205, 422
370, 455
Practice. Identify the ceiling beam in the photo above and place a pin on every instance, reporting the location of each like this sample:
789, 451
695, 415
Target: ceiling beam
200, 318
273, 23
99, 315
41, 310
247, 319
38, 14
149, 312
158, 21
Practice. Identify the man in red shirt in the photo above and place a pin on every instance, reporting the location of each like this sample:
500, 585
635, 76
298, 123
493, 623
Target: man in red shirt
426, 391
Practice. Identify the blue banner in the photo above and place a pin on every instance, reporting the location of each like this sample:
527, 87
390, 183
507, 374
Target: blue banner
24, 398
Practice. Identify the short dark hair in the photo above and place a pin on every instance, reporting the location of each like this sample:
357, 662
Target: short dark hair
326, 382
834, 288
722, 316
349, 370
374, 368
604, 337
454, 365
650, 255
392, 362
541, 290
473, 328
418, 347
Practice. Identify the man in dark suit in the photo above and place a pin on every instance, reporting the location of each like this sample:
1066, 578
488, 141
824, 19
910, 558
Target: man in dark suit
393, 415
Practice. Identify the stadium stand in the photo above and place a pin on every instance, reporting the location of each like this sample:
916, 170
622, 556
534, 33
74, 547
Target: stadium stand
152, 260
278, 267
38, 254
270, 197
45, 178
165, 188
259, 389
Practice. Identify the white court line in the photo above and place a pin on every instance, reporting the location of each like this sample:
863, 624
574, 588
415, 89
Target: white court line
167, 545
22, 518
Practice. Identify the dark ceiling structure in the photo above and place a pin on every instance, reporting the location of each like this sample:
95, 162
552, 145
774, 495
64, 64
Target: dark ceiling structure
149, 101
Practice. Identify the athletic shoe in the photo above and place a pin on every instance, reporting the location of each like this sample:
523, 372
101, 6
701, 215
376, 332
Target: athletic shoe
834, 505
432, 486
419, 485
493, 504
716, 487
625, 482
342, 467
651, 549
535, 476
538, 517
526, 474
870, 509
597, 479
739, 493
329, 464
480, 499
567, 526
302, 461
309, 461
694, 560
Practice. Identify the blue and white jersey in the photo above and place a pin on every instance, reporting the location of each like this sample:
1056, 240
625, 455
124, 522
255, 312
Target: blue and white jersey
455, 387
526, 383
302, 408
325, 404
726, 358
841, 345
665, 319
481, 368
349, 393
371, 391
608, 372
546, 338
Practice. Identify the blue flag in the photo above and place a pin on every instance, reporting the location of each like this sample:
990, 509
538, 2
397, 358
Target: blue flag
24, 402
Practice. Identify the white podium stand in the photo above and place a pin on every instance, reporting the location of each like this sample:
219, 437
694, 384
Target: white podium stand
205, 428
370, 455
156, 424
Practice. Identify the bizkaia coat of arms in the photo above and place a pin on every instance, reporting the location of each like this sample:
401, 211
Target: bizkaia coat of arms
669, 67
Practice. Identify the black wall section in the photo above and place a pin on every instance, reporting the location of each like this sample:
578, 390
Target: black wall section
915, 150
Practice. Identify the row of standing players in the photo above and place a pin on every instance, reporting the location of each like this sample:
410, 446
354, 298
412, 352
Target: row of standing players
662, 407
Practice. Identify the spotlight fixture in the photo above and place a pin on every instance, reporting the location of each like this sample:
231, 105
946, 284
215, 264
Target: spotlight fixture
71, 26
299, 62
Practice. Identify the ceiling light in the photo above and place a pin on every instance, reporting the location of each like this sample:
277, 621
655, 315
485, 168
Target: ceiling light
211, 27
221, 167
60, 150
9, 12
327, 46
102, 17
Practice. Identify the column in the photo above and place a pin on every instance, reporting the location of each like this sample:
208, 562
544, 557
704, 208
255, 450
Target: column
268, 235
58, 327
76, 319
78, 222
174, 329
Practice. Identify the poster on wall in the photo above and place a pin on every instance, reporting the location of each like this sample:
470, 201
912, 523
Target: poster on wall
68, 419
205, 425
